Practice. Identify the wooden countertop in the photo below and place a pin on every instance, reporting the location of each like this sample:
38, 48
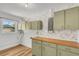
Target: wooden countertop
58, 42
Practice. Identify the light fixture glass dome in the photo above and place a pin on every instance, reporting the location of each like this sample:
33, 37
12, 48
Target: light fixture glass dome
26, 5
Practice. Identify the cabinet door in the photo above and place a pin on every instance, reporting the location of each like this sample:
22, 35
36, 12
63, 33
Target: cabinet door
66, 53
36, 48
48, 50
72, 19
59, 20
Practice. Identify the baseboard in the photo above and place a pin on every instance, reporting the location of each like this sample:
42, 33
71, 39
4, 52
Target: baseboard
9, 46
25, 45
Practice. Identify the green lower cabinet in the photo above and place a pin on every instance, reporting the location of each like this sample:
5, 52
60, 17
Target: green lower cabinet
66, 53
48, 51
36, 51
36, 48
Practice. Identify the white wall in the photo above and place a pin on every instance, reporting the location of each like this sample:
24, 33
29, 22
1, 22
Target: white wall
8, 40
27, 41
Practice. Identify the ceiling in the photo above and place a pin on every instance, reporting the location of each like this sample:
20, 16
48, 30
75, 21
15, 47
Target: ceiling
33, 9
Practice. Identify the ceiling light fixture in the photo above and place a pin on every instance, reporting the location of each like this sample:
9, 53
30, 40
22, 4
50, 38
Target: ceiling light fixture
26, 5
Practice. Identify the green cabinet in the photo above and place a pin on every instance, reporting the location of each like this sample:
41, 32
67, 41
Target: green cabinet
43, 48
58, 20
48, 49
67, 19
36, 48
40, 48
67, 51
72, 18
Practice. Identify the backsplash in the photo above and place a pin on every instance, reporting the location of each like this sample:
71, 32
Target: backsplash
62, 35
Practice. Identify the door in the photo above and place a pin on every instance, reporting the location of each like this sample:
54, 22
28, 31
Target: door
59, 20
72, 19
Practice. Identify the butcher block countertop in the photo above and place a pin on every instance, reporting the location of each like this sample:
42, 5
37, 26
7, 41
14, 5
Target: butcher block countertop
56, 41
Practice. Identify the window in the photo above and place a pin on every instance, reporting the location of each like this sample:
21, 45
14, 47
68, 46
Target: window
36, 25
19, 26
8, 25
23, 26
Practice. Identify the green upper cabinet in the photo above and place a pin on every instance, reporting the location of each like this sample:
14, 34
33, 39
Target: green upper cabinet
58, 20
67, 19
72, 18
